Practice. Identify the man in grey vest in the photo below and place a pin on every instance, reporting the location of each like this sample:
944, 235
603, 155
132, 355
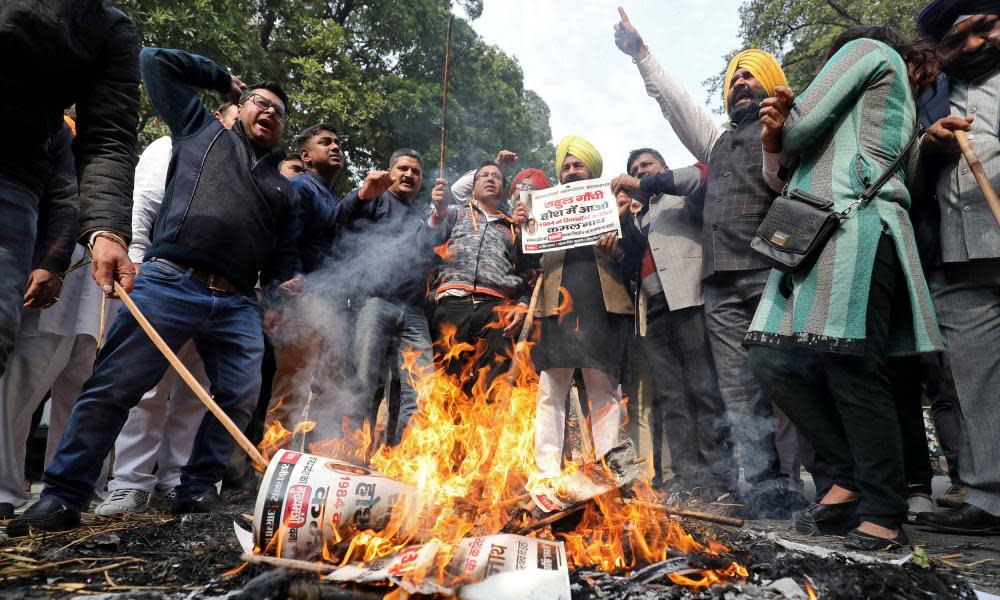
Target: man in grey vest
960, 241
733, 276
687, 404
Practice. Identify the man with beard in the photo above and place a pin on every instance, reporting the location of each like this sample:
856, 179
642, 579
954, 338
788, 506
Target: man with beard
295, 336
385, 249
961, 242
479, 287
736, 200
227, 220
585, 314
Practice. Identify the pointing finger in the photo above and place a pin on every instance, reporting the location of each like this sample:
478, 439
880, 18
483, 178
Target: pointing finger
621, 13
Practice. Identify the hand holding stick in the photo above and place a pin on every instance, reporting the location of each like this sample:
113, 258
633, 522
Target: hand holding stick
189, 379
981, 178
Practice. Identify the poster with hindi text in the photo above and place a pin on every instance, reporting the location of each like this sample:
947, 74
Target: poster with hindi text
568, 216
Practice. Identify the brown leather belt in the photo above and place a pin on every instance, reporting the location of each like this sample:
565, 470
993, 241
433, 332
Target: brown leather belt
216, 283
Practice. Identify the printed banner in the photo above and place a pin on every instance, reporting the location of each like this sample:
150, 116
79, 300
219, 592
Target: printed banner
568, 216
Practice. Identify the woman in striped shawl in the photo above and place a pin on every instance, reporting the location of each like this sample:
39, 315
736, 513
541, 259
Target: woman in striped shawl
820, 340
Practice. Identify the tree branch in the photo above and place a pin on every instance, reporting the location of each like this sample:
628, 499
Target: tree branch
843, 12
344, 10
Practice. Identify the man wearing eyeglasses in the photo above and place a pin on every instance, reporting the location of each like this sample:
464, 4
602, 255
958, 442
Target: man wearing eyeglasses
226, 220
479, 289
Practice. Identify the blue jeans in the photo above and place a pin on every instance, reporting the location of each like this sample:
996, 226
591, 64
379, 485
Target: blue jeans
226, 329
381, 326
18, 224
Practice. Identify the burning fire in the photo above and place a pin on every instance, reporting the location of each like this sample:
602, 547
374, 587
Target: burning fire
470, 457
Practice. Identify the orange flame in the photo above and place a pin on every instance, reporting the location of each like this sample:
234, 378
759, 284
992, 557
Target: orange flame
809, 590
468, 455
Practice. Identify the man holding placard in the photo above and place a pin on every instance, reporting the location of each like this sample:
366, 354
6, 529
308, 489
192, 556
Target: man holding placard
584, 309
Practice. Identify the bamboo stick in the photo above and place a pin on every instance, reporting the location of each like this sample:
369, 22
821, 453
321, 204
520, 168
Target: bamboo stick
980, 174
691, 514
189, 379
444, 98
289, 563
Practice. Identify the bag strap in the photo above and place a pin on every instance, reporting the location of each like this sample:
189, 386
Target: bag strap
873, 189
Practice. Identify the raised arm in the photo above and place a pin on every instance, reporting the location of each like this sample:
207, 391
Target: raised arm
173, 78
858, 65
689, 120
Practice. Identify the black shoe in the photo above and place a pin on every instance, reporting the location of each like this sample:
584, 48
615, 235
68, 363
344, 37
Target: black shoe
48, 514
6, 511
208, 502
827, 519
859, 540
965, 519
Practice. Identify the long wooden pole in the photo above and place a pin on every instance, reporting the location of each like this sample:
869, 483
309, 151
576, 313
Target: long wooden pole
189, 379
980, 174
444, 98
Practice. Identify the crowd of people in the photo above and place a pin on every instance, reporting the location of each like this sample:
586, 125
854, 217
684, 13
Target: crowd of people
678, 332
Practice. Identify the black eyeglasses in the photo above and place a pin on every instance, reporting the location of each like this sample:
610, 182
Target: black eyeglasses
264, 104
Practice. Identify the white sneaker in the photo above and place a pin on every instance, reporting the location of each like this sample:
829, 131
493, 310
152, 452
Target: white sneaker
917, 505
162, 498
123, 502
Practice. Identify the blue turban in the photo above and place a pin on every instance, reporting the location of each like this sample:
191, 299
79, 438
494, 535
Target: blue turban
939, 16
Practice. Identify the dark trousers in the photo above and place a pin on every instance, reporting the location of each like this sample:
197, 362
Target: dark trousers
19, 218
476, 320
731, 299
843, 404
687, 404
947, 417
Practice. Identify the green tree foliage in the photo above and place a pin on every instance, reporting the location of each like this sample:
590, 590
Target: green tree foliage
374, 68
799, 32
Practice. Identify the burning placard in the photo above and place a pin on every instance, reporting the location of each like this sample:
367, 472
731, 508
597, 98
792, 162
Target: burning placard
306, 500
496, 566
567, 216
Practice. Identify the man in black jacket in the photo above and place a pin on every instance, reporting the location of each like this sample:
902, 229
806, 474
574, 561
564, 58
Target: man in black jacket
57, 52
227, 218
386, 244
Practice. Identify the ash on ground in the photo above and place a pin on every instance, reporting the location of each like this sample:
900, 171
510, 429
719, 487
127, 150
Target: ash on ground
159, 557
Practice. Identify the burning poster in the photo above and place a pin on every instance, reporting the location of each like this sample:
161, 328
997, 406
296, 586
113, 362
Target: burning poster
306, 500
496, 566
568, 216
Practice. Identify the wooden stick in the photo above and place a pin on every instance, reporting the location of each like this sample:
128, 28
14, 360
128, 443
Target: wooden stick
289, 563
558, 516
189, 379
444, 97
530, 317
701, 516
980, 174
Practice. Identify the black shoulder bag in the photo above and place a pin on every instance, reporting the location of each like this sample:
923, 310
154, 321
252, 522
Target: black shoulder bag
798, 225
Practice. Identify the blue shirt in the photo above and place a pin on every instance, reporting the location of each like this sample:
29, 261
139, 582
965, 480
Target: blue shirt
317, 208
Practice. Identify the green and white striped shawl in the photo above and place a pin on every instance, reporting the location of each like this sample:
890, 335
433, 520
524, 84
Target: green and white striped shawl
846, 128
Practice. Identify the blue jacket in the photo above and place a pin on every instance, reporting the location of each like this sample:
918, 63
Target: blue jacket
224, 209
317, 205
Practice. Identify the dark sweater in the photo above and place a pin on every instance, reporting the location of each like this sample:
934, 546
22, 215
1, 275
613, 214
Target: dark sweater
224, 209
385, 247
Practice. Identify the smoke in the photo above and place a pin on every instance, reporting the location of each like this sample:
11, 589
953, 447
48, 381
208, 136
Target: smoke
389, 258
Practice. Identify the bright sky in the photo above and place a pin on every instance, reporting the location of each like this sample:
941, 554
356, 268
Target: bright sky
569, 57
